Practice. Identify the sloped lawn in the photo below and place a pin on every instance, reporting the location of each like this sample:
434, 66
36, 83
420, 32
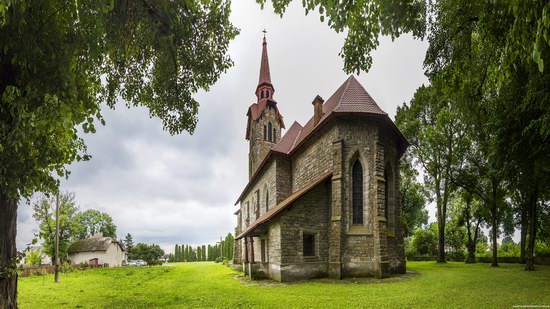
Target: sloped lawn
212, 285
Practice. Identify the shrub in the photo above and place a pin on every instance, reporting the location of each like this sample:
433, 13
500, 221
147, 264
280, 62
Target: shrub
154, 262
457, 256
219, 259
66, 267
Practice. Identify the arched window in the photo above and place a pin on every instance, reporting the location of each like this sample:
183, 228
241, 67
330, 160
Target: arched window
267, 93
269, 132
265, 133
357, 193
274, 135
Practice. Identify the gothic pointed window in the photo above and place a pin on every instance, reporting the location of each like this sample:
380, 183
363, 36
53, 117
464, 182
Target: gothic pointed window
265, 133
274, 135
357, 193
269, 132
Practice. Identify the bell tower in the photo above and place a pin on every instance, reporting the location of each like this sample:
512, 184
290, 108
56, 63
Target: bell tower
264, 126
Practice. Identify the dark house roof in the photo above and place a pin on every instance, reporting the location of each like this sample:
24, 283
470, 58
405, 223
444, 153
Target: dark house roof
93, 244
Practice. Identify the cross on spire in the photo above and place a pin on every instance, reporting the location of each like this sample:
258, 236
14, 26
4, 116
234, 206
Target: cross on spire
264, 31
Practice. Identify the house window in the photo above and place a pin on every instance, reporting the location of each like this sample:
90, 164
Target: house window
357, 193
309, 245
269, 131
265, 133
274, 135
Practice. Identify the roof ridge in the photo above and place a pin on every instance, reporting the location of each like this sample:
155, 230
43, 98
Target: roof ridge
347, 82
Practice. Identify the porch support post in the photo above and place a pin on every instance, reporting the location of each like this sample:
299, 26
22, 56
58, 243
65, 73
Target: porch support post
252, 249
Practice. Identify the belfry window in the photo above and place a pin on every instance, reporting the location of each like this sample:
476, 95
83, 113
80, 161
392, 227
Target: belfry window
269, 132
357, 193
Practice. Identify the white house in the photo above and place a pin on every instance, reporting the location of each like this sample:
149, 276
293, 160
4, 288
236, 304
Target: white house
97, 250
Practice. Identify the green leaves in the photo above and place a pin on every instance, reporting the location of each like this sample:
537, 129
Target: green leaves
60, 63
365, 21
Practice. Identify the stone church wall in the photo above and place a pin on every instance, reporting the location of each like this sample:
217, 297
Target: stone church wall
313, 159
359, 136
309, 214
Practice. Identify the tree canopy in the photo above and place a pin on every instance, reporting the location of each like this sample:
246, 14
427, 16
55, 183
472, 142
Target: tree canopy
93, 222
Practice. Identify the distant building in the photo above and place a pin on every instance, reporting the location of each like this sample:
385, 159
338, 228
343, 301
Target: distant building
97, 250
322, 200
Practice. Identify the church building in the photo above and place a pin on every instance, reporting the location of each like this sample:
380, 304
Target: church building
323, 199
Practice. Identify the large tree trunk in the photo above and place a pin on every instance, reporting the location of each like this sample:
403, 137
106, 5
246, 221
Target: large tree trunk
441, 242
532, 213
471, 243
8, 252
524, 225
494, 222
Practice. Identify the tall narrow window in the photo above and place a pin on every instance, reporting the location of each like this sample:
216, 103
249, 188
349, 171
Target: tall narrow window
274, 135
386, 193
309, 245
357, 193
269, 132
263, 250
257, 206
266, 200
265, 133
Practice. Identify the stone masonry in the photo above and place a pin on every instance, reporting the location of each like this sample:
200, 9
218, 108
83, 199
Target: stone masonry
296, 215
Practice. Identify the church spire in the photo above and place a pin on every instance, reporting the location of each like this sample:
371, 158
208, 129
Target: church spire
265, 88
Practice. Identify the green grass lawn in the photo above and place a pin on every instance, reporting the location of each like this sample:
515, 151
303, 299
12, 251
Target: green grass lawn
212, 285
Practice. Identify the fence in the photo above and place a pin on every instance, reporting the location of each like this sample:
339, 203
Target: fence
29, 270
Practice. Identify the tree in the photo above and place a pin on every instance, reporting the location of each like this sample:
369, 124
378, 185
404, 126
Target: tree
62, 59
149, 253
413, 198
430, 124
69, 227
425, 241
34, 257
128, 243
94, 222
525, 27
364, 21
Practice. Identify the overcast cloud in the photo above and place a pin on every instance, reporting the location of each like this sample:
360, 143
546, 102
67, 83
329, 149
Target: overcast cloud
181, 189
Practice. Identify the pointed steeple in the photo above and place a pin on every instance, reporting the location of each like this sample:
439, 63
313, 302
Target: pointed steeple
265, 88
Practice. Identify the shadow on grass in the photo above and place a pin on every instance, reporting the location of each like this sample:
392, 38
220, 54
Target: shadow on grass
268, 283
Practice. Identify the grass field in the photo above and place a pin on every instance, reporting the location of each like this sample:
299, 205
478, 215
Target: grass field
212, 285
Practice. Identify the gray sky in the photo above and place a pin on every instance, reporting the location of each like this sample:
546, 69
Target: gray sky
181, 189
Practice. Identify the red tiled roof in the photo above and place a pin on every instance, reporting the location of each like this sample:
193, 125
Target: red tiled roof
265, 75
289, 139
256, 109
350, 97
268, 215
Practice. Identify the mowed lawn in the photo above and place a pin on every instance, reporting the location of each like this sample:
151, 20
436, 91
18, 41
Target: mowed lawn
211, 285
